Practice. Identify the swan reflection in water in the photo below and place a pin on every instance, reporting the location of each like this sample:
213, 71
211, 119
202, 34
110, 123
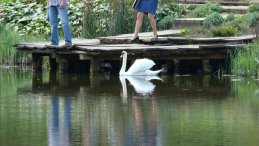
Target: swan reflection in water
141, 84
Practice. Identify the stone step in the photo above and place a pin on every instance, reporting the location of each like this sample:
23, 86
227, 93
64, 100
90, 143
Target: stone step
235, 9
193, 22
221, 2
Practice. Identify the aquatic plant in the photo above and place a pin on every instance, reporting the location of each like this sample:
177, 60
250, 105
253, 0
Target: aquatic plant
243, 61
8, 37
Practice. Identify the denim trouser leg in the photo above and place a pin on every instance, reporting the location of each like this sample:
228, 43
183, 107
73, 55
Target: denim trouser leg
53, 17
65, 25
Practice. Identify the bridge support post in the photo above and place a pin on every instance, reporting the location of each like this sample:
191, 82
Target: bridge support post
36, 63
95, 67
63, 65
206, 66
53, 64
170, 67
36, 79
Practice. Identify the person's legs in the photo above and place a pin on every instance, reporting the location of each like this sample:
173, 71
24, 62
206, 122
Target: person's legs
139, 22
53, 17
65, 24
153, 24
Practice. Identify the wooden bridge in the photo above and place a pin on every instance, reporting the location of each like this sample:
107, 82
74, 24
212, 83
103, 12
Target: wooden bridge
88, 55
94, 55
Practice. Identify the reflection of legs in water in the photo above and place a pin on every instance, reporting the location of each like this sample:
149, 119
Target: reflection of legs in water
54, 123
146, 136
59, 135
139, 121
152, 126
66, 122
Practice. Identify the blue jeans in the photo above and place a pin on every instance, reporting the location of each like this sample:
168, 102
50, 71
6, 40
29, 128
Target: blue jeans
54, 11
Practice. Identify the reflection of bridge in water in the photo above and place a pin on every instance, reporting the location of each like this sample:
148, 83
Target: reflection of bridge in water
87, 110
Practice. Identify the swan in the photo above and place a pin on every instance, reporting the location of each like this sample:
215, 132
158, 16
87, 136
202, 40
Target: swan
139, 68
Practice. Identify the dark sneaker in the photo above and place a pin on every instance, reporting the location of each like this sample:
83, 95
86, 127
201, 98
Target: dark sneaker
136, 40
154, 39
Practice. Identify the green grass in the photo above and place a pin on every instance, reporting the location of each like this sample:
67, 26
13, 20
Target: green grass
8, 37
243, 60
4, 1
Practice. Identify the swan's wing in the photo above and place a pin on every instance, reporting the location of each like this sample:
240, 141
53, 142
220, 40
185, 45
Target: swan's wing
154, 77
141, 65
147, 78
141, 85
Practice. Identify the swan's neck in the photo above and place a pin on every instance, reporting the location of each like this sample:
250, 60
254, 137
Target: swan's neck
124, 89
124, 62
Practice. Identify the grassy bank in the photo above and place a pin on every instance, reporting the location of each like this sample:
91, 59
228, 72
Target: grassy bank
8, 37
243, 60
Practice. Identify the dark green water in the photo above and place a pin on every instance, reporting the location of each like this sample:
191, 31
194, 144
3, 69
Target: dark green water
49, 109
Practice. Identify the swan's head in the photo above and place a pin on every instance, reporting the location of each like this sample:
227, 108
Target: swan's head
123, 54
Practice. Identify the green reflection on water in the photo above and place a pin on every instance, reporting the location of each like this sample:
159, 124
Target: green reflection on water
22, 117
182, 110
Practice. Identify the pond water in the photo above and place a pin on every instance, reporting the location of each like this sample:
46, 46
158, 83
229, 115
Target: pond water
52, 109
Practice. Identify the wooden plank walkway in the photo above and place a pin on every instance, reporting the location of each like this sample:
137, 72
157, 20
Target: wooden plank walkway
109, 48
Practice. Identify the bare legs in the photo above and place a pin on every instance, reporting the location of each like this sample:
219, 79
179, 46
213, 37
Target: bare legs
153, 24
139, 22
138, 25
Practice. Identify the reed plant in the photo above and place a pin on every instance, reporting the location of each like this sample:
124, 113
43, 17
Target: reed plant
243, 60
113, 17
8, 37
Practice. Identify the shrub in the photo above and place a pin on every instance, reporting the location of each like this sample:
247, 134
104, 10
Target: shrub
239, 22
253, 8
198, 12
213, 19
224, 31
230, 17
206, 10
216, 32
252, 18
214, 7
166, 22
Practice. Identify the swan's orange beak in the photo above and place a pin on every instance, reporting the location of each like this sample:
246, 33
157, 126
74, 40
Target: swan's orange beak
121, 56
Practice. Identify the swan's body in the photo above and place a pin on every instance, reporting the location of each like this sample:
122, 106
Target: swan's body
139, 68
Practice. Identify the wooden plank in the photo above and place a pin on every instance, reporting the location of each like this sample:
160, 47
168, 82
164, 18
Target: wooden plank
239, 38
160, 40
145, 34
158, 57
122, 48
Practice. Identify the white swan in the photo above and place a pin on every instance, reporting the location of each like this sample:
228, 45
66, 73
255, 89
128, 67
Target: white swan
139, 68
